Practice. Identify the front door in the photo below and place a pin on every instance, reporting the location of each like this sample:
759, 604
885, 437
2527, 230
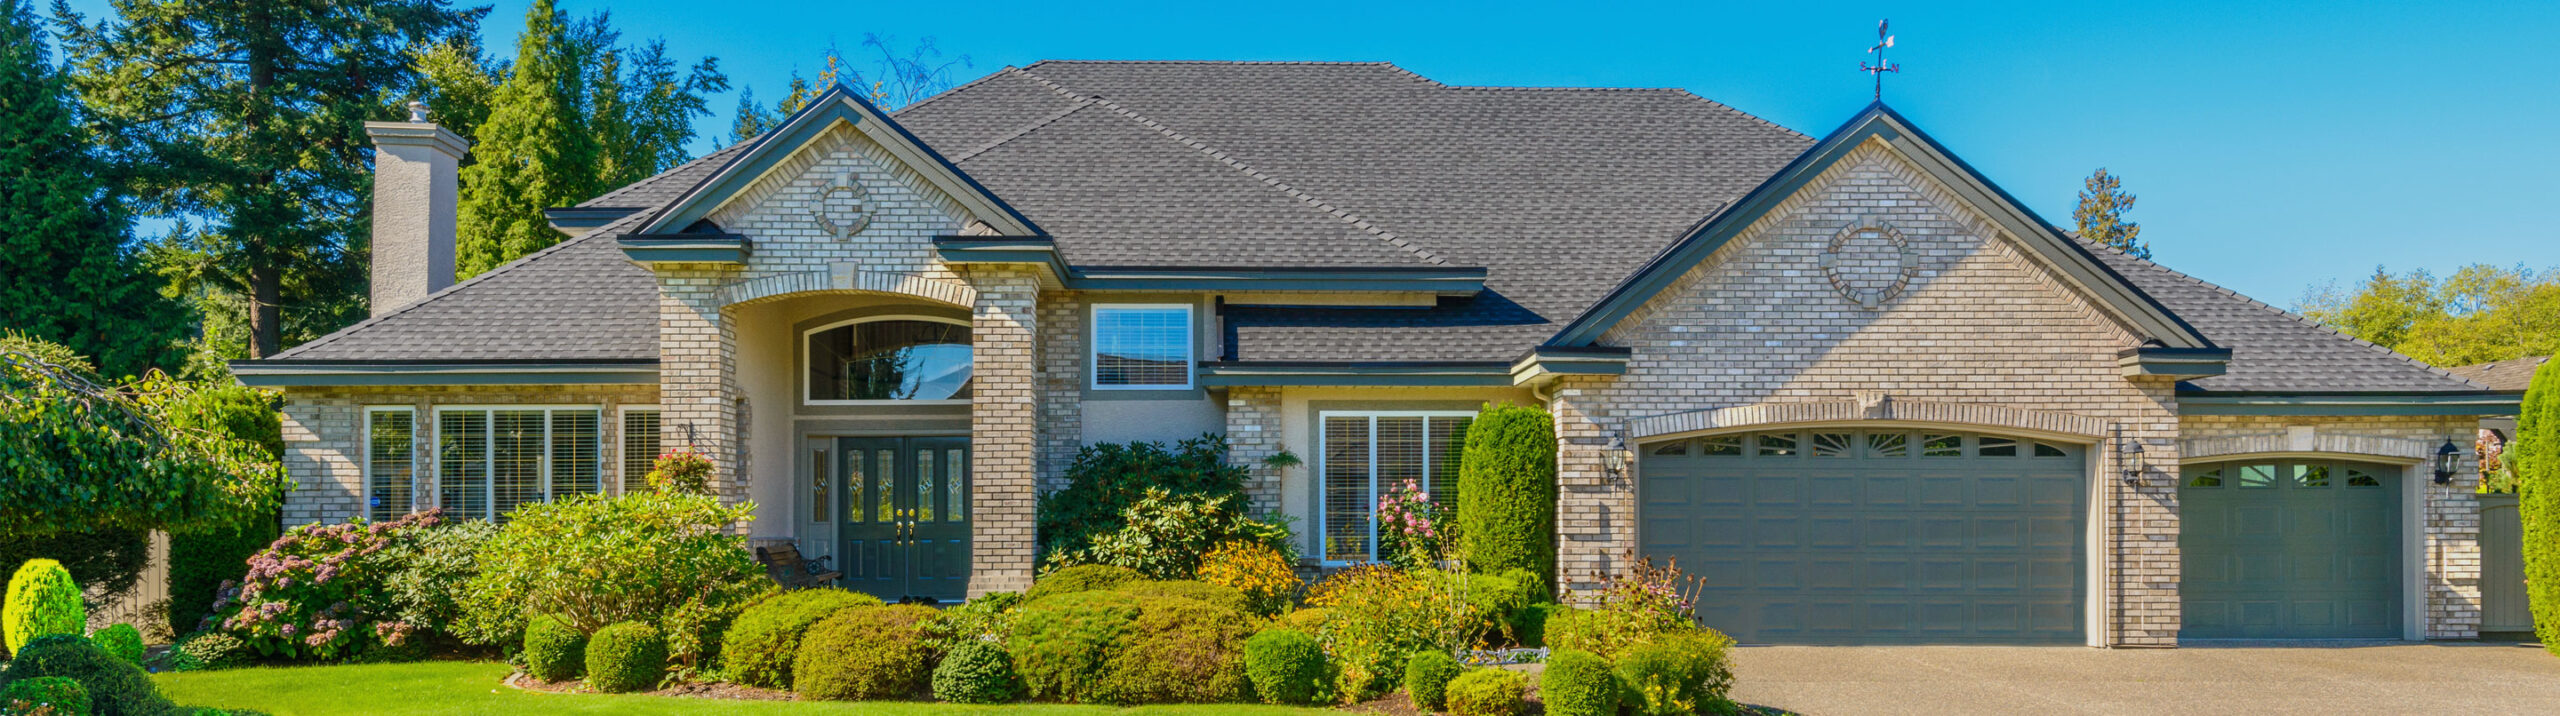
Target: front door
906, 517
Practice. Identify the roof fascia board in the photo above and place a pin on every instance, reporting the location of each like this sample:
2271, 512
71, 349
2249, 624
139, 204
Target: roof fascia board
2348, 404
1547, 363
687, 248
570, 219
271, 374
985, 250
1222, 374
2180, 363
1879, 122
838, 104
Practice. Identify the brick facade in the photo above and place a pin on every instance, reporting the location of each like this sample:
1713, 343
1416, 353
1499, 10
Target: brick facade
324, 438
1004, 431
1254, 432
1062, 376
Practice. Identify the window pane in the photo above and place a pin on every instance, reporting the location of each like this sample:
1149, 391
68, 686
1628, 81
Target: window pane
2360, 478
390, 461
1347, 501
2043, 450
955, 484
1679, 447
884, 484
1830, 444
1996, 447
1778, 444
856, 484
462, 461
2309, 476
1942, 446
2207, 478
2256, 476
819, 500
639, 449
890, 360
1400, 448
1448, 447
1721, 445
1142, 346
1888, 445
515, 459
926, 490
575, 449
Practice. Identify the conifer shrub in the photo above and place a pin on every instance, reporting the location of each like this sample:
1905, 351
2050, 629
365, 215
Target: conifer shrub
1286, 667
1080, 578
121, 640
1426, 679
64, 696
629, 656
42, 601
554, 650
115, 687
977, 672
2536, 456
1489, 692
764, 641
1507, 490
1578, 683
866, 653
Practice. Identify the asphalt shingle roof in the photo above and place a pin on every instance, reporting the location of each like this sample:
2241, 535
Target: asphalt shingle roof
1558, 192
2515, 374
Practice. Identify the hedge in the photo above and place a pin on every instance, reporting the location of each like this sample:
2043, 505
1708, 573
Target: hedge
866, 653
1507, 491
2536, 454
1080, 578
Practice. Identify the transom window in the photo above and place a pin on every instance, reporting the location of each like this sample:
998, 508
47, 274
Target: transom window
491, 460
1142, 346
889, 359
1368, 455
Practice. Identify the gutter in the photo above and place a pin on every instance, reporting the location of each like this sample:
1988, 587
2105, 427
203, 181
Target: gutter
290, 373
2448, 404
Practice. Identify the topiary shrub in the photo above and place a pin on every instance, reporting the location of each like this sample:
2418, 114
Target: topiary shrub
1080, 578
976, 673
629, 656
1426, 679
64, 696
553, 650
208, 651
1187, 589
866, 653
1488, 692
1579, 683
1179, 650
115, 688
2536, 457
1507, 490
42, 601
1286, 667
765, 640
1678, 674
121, 640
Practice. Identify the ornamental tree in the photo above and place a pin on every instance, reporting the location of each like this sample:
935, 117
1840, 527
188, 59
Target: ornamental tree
2535, 457
1507, 491
80, 454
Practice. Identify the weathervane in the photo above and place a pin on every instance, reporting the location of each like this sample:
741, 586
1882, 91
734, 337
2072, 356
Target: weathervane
1880, 67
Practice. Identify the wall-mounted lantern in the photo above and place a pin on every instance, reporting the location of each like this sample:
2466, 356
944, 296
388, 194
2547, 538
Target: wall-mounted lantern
1617, 455
2446, 457
2133, 461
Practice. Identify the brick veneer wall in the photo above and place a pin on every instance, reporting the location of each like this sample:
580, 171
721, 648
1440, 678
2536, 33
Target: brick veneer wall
905, 212
324, 440
698, 370
1254, 432
1980, 321
1004, 429
2451, 512
1062, 375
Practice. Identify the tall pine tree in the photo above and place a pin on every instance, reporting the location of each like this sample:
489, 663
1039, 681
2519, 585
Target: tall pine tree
2103, 204
67, 271
244, 120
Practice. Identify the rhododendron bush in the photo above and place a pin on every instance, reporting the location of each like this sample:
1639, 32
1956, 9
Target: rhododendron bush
321, 591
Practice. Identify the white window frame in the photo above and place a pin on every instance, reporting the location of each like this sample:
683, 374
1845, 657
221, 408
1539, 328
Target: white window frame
803, 347
1093, 345
622, 441
1322, 550
489, 458
364, 498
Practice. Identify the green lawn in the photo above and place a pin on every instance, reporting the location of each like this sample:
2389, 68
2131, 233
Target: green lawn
446, 687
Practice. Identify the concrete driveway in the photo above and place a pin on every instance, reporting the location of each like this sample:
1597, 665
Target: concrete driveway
2391, 679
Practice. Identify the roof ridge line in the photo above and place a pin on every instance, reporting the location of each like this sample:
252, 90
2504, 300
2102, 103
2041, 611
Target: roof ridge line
457, 287
1167, 131
1023, 131
2297, 318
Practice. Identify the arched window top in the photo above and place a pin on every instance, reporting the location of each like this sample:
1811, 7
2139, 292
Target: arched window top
889, 358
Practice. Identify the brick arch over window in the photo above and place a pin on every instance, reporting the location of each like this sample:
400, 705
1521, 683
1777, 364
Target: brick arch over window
845, 277
2390, 449
1854, 411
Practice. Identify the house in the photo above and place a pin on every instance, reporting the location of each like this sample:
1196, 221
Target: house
1848, 379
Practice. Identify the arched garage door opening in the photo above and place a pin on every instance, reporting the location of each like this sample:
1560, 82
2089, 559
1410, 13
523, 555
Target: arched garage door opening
1874, 536
2290, 549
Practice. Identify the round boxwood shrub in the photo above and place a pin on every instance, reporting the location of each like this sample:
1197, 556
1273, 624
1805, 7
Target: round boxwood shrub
1678, 674
61, 693
553, 650
1179, 651
1189, 589
1579, 683
1507, 490
115, 688
866, 653
42, 601
763, 642
1426, 679
1488, 692
628, 656
121, 640
1061, 644
1286, 667
1080, 578
976, 672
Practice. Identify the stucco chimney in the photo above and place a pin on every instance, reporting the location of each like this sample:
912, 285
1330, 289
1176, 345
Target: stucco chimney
415, 167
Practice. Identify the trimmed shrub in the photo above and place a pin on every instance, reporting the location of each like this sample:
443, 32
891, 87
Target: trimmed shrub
553, 650
1678, 674
986, 619
765, 640
1080, 578
201, 560
1500, 600
695, 629
866, 653
1426, 679
208, 651
115, 688
1286, 667
1261, 573
107, 561
1179, 651
1531, 629
1186, 589
2536, 457
42, 601
976, 673
64, 696
629, 656
1061, 644
1579, 683
594, 560
1488, 692
1507, 490
121, 640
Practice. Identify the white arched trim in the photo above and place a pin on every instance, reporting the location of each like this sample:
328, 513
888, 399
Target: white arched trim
846, 277
2379, 449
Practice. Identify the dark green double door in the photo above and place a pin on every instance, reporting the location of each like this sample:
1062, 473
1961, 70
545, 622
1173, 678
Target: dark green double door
905, 517
2290, 549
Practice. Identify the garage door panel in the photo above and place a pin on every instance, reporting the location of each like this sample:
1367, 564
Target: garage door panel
1999, 533
1941, 493
1777, 493
1833, 492
2286, 549
1887, 532
1833, 532
1886, 491
1722, 492
1834, 574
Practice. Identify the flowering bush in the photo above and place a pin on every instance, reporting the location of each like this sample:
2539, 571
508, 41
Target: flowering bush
681, 470
322, 591
1634, 608
1412, 530
1262, 573
1378, 615
595, 560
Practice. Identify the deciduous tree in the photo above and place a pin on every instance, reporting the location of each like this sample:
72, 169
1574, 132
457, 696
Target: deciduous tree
2479, 314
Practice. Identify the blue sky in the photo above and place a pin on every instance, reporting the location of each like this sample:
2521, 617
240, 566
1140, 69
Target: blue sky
2274, 146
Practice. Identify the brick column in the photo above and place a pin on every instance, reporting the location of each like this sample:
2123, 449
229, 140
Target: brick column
1062, 376
1004, 435
1595, 509
1253, 433
2453, 543
697, 371
2142, 578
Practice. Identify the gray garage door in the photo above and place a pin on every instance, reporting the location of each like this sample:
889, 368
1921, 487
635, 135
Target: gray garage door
2286, 549
1874, 537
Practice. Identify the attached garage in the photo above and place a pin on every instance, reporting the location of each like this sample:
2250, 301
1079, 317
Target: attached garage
1822, 536
2290, 549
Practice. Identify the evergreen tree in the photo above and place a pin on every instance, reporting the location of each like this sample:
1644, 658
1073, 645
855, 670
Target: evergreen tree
244, 119
67, 272
2103, 204
458, 85
2536, 456
753, 119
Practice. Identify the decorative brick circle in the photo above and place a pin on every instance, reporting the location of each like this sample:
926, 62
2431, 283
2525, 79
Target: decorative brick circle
843, 209
1870, 263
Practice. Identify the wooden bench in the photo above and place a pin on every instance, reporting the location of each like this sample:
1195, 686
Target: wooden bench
785, 565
